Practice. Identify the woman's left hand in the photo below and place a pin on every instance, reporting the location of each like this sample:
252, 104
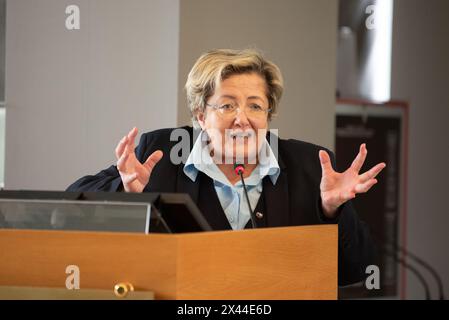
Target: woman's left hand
337, 188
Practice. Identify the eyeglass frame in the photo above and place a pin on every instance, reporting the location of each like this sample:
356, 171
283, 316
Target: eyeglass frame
217, 106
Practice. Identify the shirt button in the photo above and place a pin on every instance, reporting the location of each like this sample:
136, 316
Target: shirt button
259, 215
231, 219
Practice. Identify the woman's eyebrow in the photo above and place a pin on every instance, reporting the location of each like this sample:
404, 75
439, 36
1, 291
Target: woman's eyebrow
255, 97
229, 96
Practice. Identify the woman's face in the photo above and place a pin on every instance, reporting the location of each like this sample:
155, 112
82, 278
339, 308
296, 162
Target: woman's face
236, 118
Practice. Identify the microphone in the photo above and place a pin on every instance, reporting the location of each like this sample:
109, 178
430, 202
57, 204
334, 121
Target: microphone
239, 169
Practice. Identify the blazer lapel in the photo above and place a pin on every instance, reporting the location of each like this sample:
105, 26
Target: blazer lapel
210, 205
277, 199
260, 207
207, 201
183, 182
185, 185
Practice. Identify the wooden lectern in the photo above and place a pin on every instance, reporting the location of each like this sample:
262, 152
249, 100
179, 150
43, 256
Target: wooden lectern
271, 263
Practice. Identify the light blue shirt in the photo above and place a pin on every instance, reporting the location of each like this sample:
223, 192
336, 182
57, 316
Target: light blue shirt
232, 197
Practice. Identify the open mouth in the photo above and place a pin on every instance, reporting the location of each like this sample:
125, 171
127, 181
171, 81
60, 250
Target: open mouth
241, 135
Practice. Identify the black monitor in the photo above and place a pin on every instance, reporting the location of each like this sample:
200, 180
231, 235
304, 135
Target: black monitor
101, 211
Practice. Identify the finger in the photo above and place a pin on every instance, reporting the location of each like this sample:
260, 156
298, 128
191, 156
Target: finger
153, 159
364, 187
129, 178
132, 134
121, 147
131, 138
360, 159
325, 161
372, 173
122, 160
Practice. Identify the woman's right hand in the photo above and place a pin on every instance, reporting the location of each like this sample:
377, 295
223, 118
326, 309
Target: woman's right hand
135, 175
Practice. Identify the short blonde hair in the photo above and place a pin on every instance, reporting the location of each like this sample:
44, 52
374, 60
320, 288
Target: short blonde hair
217, 65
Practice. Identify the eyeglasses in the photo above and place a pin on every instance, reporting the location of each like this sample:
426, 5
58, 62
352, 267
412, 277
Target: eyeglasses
228, 110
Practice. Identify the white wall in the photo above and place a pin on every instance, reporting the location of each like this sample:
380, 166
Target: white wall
299, 36
420, 75
72, 95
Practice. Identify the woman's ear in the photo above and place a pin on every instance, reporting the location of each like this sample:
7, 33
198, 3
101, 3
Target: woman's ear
201, 117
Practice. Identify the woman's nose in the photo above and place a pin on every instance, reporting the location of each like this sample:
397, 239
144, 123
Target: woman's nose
241, 117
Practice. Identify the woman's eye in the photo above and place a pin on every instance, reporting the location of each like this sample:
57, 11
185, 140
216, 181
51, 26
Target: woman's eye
256, 107
226, 107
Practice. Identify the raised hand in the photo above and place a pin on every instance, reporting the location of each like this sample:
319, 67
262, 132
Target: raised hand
135, 175
337, 188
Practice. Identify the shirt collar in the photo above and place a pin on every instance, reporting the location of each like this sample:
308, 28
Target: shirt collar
200, 160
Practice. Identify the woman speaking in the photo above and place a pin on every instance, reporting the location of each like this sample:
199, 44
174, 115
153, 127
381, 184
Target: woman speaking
239, 174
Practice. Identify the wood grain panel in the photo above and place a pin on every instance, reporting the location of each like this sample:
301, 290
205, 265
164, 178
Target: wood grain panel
273, 263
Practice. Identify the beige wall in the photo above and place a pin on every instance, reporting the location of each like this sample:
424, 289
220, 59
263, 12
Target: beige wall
299, 36
420, 70
72, 95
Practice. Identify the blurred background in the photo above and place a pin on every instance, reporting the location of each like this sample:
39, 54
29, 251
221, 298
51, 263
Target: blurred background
355, 71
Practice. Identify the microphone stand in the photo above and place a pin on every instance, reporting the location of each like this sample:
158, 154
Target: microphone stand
426, 266
413, 270
239, 170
